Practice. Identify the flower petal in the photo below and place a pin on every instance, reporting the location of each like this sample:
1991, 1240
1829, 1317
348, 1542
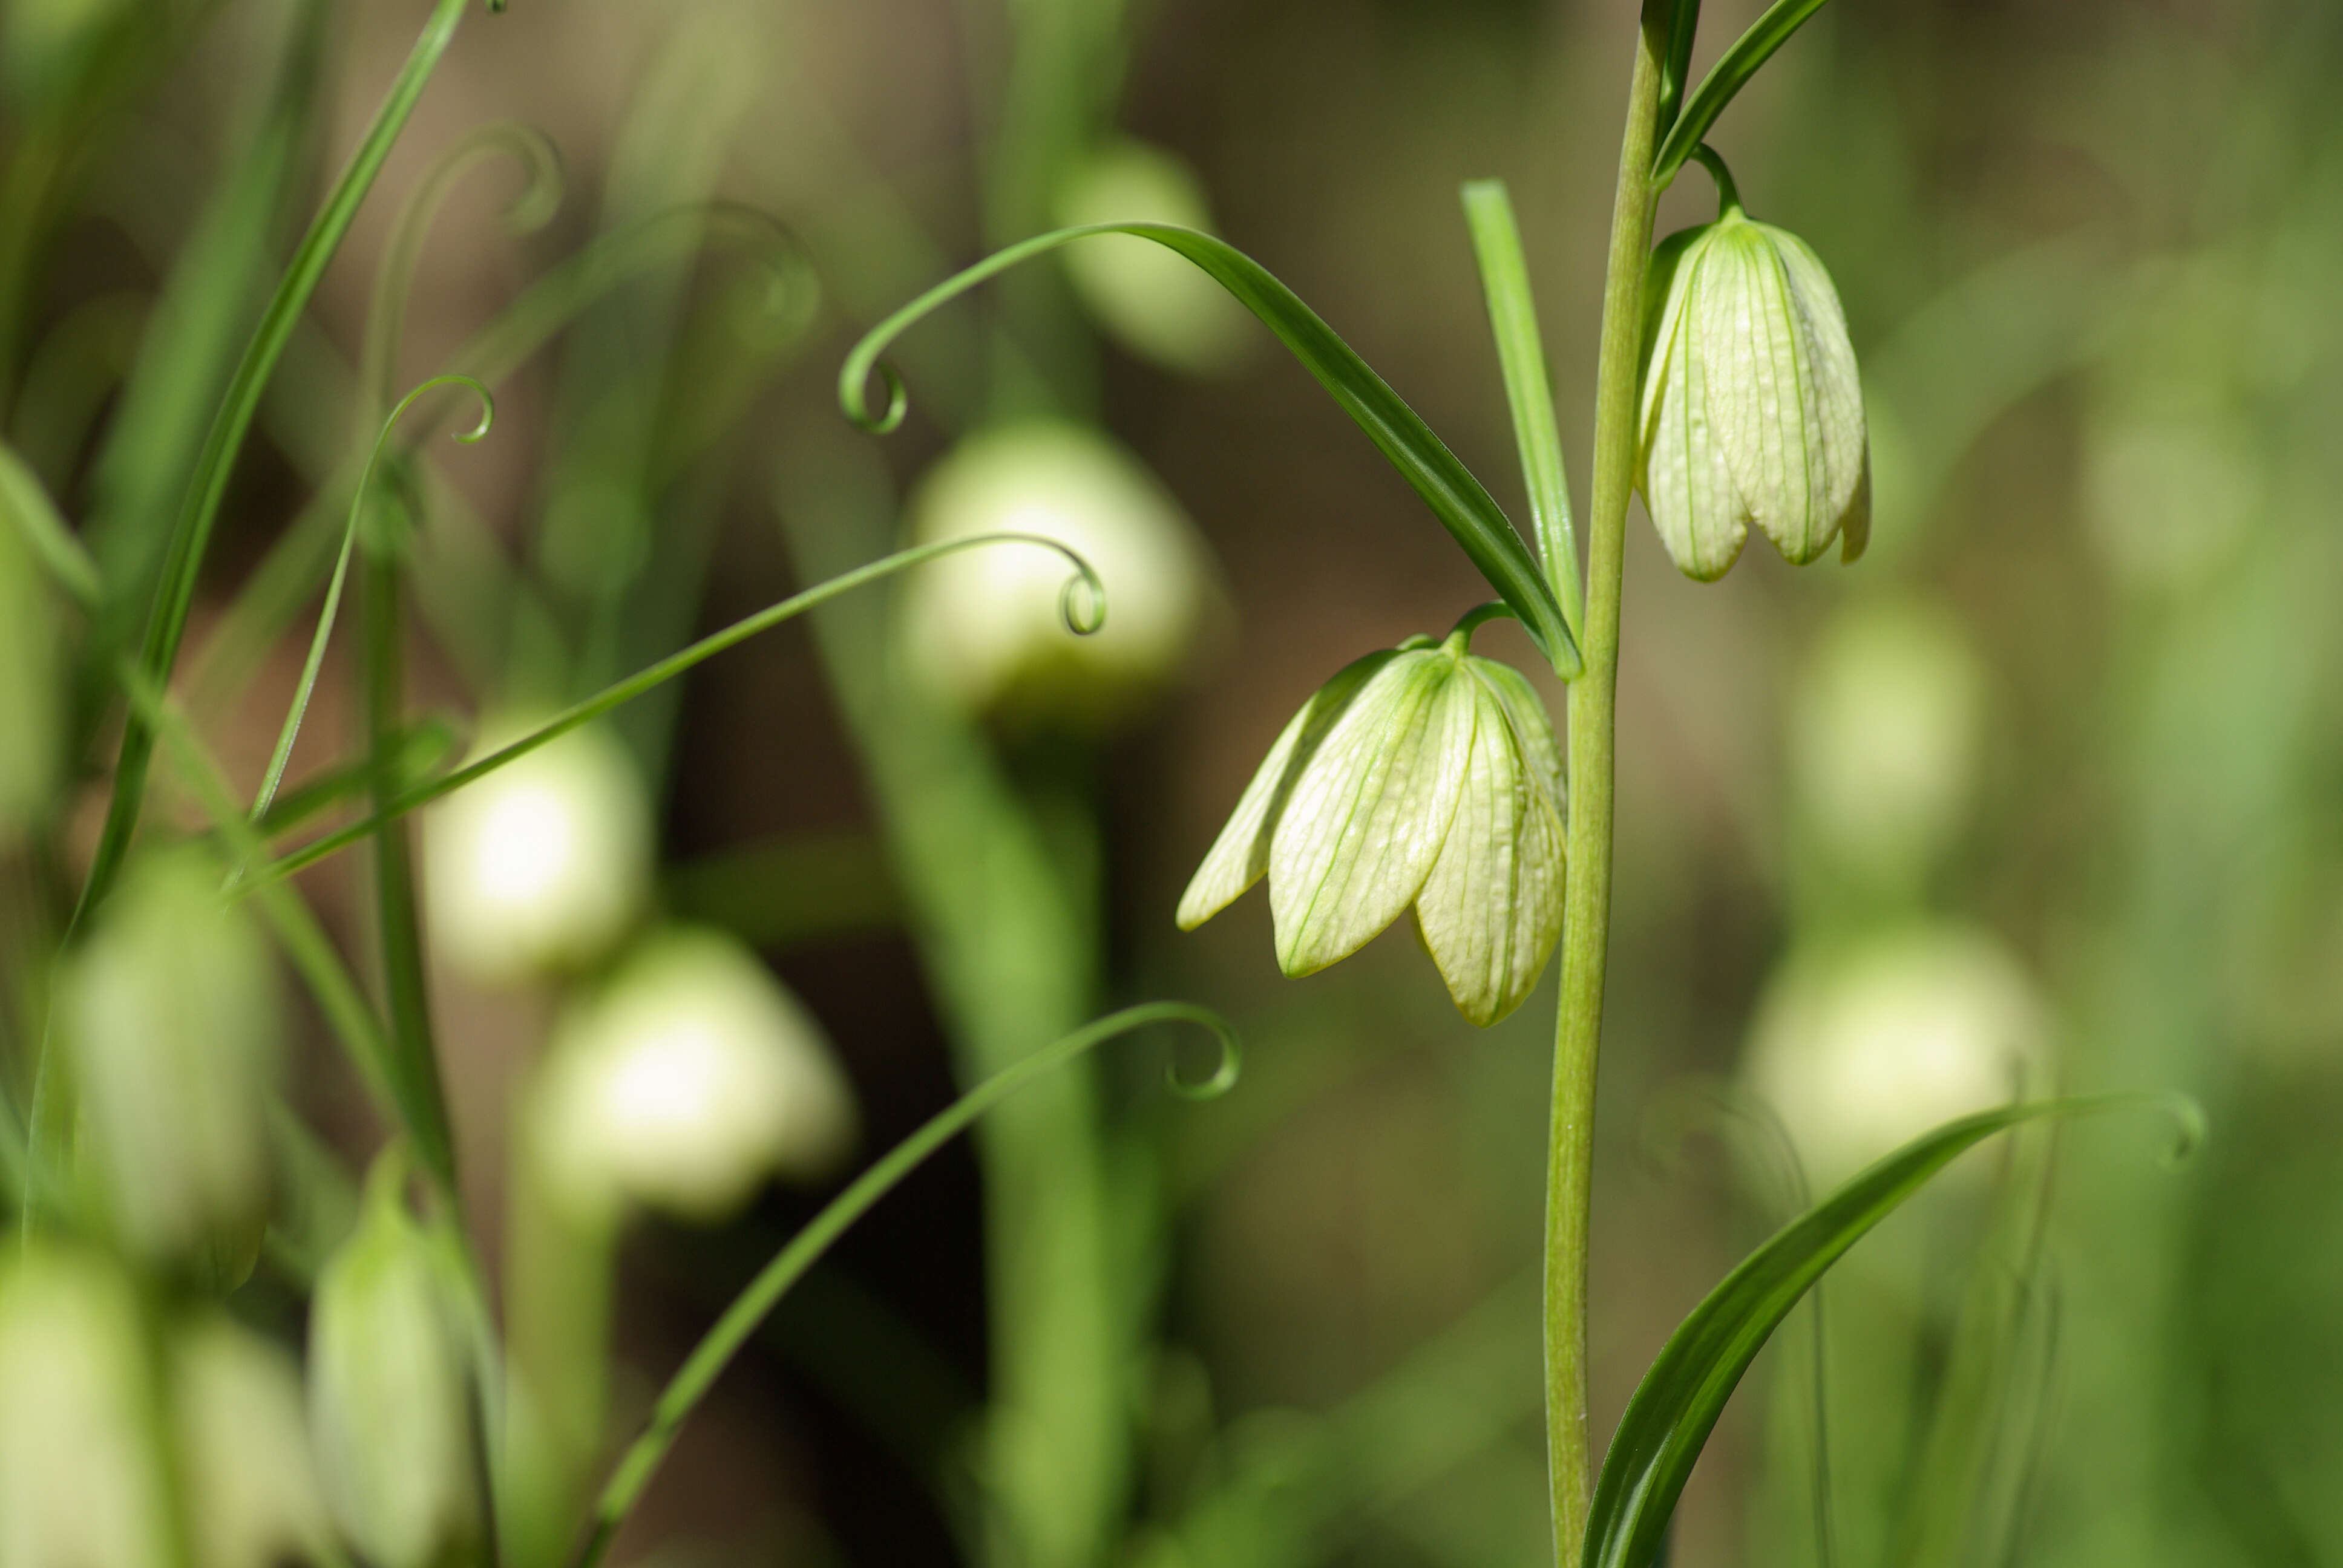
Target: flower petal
1687, 486
1491, 911
1366, 822
1240, 856
1533, 727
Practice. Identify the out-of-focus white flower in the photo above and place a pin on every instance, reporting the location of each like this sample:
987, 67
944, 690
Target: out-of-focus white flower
1886, 729
2172, 482
81, 1481
985, 626
690, 1078
32, 707
251, 1489
541, 867
389, 1409
1420, 776
1159, 304
1863, 1048
1753, 410
171, 1009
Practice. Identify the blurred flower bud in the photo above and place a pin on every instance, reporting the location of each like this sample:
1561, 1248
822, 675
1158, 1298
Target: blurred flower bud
32, 709
985, 626
389, 1406
244, 1468
171, 1010
1861, 1048
1422, 776
1886, 729
1152, 301
686, 1081
1753, 412
541, 866
81, 1479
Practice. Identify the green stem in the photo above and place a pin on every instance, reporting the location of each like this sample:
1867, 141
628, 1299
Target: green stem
415, 1063
1586, 896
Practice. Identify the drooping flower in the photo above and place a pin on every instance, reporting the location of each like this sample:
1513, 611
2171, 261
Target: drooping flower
390, 1388
543, 864
1422, 775
1753, 410
687, 1081
1149, 300
170, 1010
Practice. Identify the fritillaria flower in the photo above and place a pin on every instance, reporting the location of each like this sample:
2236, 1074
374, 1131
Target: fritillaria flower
1419, 776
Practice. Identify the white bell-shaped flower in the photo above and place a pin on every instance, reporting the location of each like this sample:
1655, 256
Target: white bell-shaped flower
1422, 775
81, 1479
171, 1009
390, 1416
985, 626
1152, 300
690, 1078
251, 1488
1861, 1048
1753, 410
541, 866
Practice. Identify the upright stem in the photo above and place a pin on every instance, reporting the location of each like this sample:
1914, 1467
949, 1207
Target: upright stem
1586, 898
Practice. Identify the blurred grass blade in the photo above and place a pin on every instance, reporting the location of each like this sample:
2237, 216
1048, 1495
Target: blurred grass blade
741, 1319
1458, 499
183, 562
1521, 351
31, 513
676, 664
1727, 77
1677, 1406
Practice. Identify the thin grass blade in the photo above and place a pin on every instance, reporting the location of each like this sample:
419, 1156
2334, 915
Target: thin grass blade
183, 562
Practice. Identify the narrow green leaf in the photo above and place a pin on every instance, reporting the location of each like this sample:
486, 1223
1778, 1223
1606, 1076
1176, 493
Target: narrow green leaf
1084, 615
1677, 1406
1460, 501
1682, 23
740, 1320
1521, 351
174, 593
1727, 77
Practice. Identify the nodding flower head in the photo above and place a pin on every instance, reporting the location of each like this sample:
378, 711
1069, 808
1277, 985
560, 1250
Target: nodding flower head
1752, 410
1419, 776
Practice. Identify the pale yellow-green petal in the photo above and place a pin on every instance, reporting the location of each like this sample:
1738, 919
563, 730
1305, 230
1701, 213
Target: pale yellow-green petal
1491, 911
1364, 822
1688, 486
1240, 856
1532, 727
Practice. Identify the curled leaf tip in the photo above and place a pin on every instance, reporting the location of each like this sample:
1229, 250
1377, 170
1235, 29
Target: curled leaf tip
1082, 603
1227, 1066
853, 386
